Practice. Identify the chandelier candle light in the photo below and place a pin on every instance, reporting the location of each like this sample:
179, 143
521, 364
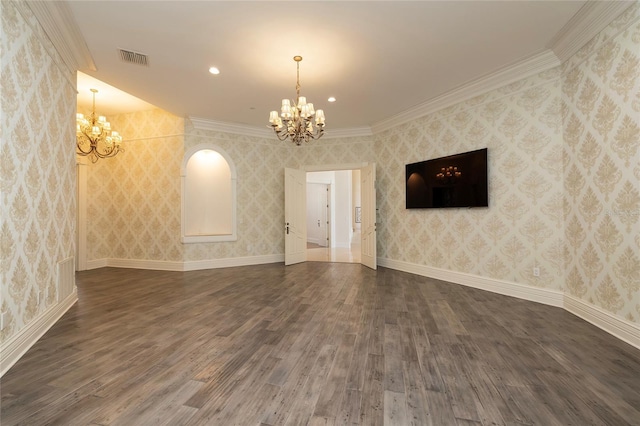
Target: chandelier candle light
296, 121
94, 137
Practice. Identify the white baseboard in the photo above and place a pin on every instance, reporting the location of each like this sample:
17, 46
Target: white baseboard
155, 265
96, 263
193, 265
17, 345
614, 325
521, 291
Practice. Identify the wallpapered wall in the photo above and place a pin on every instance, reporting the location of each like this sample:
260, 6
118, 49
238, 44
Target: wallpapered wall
522, 228
564, 171
133, 205
601, 115
260, 167
37, 168
260, 198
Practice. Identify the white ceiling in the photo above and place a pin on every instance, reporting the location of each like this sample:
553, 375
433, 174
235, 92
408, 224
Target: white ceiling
377, 58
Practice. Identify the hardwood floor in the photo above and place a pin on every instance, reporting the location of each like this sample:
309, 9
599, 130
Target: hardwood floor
317, 344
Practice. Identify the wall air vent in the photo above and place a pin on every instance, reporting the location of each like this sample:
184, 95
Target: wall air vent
134, 57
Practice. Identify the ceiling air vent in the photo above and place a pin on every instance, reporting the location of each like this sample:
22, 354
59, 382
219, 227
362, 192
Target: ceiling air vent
134, 57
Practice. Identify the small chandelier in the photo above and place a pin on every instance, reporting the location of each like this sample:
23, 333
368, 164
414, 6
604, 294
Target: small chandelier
448, 174
296, 121
94, 137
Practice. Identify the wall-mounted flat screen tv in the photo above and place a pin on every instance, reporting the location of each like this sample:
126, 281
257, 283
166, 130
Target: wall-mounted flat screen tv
459, 180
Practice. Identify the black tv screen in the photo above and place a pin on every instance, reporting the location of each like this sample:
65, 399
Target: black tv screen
455, 181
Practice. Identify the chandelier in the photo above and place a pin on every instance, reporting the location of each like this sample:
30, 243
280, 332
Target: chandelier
448, 174
296, 121
94, 137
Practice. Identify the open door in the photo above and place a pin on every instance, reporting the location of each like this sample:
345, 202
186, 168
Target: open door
295, 216
368, 199
317, 213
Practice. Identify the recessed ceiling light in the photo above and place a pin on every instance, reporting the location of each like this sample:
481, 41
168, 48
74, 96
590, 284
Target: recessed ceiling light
331, 99
214, 70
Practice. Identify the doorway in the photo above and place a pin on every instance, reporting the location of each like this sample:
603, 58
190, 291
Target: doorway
295, 214
332, 232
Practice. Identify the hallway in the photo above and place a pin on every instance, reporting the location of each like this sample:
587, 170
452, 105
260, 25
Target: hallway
317, 253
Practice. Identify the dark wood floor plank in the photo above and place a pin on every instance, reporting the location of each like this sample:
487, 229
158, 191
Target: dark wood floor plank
302, 409
395, 409
372, 403
317, 344
331, 395
415, 396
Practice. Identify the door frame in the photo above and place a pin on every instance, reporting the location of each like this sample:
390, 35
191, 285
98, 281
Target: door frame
336, 167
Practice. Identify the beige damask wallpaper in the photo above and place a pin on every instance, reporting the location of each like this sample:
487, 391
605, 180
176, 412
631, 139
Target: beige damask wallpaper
133, 207
260, 167
37, 168
601, 116
564, 172
521, 126
133, 202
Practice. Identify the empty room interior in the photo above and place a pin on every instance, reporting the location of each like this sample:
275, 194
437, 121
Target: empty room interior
320, 213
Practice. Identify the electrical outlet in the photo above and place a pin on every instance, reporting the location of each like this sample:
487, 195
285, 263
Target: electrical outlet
536, 271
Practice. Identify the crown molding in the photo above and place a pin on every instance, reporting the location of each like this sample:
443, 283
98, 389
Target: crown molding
353, 132
60, 25
522, 69
590, 20
247, 130
235, 128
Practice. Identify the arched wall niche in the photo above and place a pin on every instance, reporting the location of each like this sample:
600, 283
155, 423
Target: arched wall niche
208, 195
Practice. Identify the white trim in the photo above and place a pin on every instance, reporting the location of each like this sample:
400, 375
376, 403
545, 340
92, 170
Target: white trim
155, 265
520, 70
352, 132
97, 263
235, 128
195, 265
590, 20
616, 326
334, 167
58, 22
189, 153
17, 345
200, 123
507, 288
189, 265
81, 210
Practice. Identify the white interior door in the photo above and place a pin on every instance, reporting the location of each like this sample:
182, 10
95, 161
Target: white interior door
295, 206
368, 199
317, 218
